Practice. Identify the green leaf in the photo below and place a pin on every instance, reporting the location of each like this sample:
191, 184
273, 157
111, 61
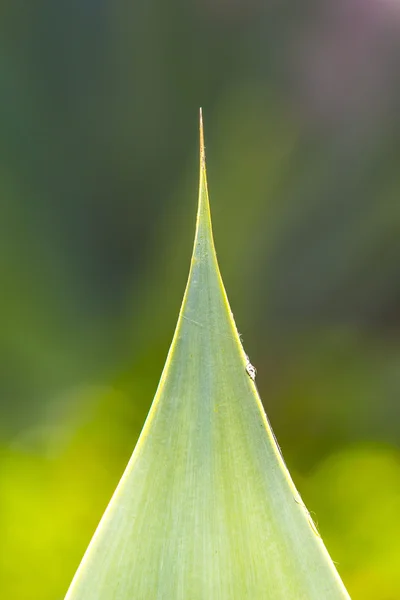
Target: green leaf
206, 509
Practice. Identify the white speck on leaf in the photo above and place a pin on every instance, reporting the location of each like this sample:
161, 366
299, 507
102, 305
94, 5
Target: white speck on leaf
250, 370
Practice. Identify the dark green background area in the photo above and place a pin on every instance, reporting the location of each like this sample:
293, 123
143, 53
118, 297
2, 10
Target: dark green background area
98, 188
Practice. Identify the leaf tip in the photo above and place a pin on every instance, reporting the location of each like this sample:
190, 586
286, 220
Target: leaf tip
202, 148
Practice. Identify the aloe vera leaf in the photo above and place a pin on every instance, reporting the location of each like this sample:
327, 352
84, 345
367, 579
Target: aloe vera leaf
206, 508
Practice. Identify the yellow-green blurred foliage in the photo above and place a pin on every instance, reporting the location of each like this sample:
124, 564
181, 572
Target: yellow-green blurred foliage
98, 187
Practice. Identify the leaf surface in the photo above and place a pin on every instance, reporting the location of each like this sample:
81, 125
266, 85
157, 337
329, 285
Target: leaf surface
206, 509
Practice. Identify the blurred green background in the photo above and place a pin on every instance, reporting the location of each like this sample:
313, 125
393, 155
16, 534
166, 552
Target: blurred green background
98, 188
